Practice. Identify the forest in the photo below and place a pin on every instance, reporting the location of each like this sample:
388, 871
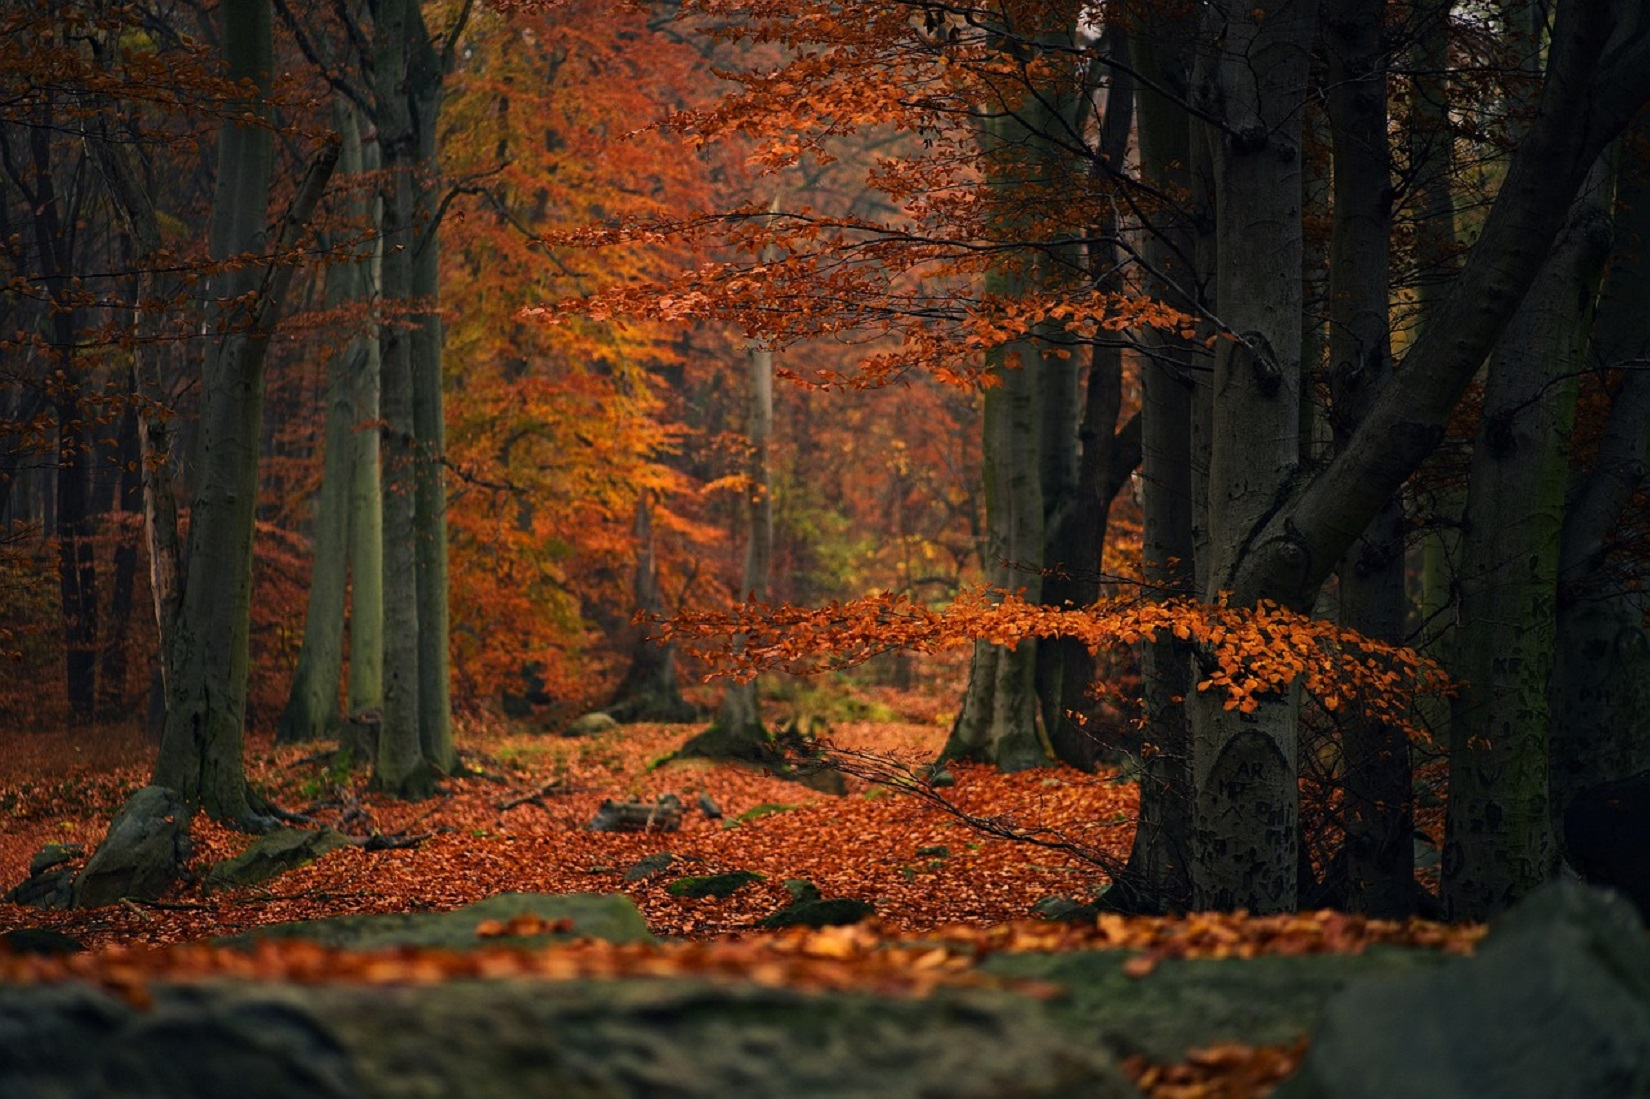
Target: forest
912, 499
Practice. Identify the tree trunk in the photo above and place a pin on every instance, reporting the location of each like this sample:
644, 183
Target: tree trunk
1157, 876
200, 752
366, 498
1432, 206
111, 679
1078, 490
154, 429
649, 691
1600, 693
1244, 765
435, 726
1378, 810
1499, 842
312, 704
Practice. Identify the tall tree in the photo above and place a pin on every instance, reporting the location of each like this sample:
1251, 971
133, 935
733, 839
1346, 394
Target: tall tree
312, 704
200, 752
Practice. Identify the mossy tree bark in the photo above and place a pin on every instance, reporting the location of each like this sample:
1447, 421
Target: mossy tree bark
1498, 837
1600, 693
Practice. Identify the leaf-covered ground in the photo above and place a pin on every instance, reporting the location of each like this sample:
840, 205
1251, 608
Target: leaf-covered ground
944, 894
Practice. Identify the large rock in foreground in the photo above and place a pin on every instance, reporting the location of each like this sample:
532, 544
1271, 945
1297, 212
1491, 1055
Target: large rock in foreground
514, 1038
1555, 1003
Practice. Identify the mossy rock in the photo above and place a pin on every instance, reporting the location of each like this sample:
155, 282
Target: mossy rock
834, 912
501, 1039
612, 917
712, 885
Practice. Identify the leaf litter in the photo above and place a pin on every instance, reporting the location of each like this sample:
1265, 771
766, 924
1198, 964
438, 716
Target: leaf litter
945, 896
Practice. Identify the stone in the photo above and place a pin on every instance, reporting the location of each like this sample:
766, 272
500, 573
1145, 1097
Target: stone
54, 854
624, 1039
708, 806
1192, 1003
801, 889
1555, 1002
50, 883
590, 724
649, 866
1066, 910
143, 853
608, 916
273, 854
39, 940
712, 885
832, 912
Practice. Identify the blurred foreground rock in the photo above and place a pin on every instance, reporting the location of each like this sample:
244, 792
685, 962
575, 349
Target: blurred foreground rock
509, 1039
1555, 1003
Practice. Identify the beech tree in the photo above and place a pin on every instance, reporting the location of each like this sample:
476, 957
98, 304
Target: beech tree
200, 754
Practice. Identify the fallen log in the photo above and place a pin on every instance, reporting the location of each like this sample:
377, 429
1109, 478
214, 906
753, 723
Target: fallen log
664, 815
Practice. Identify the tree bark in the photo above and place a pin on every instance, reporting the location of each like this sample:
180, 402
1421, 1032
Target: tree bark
312, 703
1600, 692
1377, 810
1157, 876
401, 768
426, 75
1498, 839
200, 752
1244, 765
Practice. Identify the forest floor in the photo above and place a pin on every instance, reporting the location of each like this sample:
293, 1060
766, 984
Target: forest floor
925, 871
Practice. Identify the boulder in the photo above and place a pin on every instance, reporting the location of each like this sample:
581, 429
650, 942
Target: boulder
39, 940
50, 883
649, 866
819, 912
720, 886
1185, 1004
1555, 1002
143, 854
274, 854
612, 917
506, 1039
590, 724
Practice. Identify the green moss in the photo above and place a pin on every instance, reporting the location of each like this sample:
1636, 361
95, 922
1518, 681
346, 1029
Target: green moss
712, 885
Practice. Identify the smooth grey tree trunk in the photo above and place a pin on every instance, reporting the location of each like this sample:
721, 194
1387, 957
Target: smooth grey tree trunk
1430, 139
117, 164
1079, 487
649, 690
312, 703
1244, 765
365, 689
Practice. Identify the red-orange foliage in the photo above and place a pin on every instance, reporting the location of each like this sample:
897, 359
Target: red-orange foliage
1243, 653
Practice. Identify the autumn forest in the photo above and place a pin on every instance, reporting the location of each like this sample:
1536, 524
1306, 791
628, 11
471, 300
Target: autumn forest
1028, 476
